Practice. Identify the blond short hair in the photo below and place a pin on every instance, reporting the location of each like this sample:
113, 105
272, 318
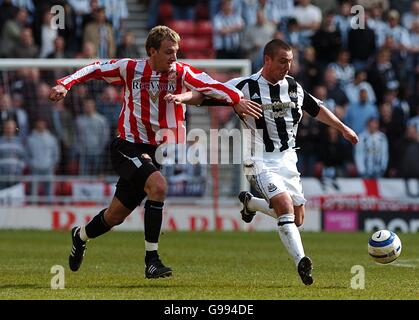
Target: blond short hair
157, 35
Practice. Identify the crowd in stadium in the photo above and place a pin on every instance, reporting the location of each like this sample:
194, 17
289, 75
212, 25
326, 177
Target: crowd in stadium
368, 76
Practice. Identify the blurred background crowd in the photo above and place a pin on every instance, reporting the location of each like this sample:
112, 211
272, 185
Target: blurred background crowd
365, 70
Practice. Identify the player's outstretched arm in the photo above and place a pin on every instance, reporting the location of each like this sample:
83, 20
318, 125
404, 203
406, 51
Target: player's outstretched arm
191, 97
58, 92
244, 108
327, 117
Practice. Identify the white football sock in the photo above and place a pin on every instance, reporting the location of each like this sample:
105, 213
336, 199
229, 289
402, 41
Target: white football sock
290, 236
259, 204
83, 234
150, 246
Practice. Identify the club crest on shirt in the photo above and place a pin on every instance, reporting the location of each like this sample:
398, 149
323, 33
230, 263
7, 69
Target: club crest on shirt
271, 187
293, 96
153, 90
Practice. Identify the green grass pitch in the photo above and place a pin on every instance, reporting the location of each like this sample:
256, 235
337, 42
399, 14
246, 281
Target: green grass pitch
211, 265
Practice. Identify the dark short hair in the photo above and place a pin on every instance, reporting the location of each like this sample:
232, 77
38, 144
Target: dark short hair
272, 46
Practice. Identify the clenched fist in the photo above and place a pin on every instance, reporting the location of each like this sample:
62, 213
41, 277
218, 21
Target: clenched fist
58, 92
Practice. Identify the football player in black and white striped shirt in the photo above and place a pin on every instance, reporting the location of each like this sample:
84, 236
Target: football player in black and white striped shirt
274, 173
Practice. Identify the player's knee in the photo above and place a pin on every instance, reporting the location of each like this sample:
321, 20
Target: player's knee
282, 203
156, 187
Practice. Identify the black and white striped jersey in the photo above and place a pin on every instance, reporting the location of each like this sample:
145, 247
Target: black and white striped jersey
282, 103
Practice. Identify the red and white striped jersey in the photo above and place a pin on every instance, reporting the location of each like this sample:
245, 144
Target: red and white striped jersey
144, 111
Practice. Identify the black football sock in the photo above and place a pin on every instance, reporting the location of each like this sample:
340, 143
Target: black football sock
153, 217
97, 226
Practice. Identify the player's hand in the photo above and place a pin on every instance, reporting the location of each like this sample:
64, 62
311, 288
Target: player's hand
248, 108
57, 93
173, 98
350, 135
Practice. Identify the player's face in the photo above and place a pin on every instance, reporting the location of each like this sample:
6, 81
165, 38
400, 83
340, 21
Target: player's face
277, 68
165, 56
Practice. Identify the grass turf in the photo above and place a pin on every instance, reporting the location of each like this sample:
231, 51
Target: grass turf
211, 265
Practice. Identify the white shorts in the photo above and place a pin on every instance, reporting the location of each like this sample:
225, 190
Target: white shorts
276, 173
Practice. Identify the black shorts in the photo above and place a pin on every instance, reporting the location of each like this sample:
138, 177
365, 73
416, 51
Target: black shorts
134, 163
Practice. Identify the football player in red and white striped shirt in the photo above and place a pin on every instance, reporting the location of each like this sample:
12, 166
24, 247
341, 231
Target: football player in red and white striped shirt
144, 112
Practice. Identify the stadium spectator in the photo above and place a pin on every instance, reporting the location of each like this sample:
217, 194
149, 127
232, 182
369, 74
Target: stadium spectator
392, 123
309, 17
101, 34
43, 105
58, 52
48, 34
26, 48
334, 90
128, 47
359, 82
371, 153
88, 51
375, 22
383, 75
401, 41
409, 164
12, 155
11, 111
7, 11
109, 106
408, 18
310, 69
92, 139
43, 155
342, 21
327, 41
146, 83
65, 130
397, 102
294, 36
184, 9
21, 114
11, 33
362, 45
358, 113
308, 142
275, 175
6, 110
116, 12
333, 155
255, 37
344, 70
228, 26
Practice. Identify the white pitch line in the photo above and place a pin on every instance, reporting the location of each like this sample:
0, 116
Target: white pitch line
409, 263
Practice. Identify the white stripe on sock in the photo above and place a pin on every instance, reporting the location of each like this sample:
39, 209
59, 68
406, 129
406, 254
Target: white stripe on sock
150, 246
83, 234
